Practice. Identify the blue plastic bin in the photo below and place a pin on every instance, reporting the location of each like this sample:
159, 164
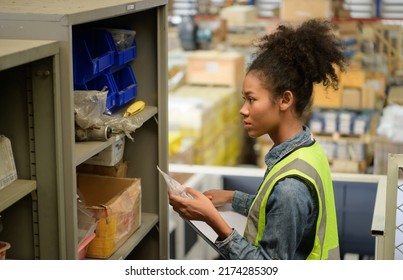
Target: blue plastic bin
124, 44
93, 52
126, 84
98, 83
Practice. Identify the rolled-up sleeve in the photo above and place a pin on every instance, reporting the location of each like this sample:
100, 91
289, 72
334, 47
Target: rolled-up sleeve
241, 202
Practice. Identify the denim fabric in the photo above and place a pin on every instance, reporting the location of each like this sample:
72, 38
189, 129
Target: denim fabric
291, 213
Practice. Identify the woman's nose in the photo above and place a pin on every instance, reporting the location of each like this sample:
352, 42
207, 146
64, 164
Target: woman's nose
243, 111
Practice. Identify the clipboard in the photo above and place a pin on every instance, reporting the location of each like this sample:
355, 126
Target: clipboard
233, 218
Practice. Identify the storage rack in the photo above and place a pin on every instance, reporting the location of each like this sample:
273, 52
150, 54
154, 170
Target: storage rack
29, 99
50, 20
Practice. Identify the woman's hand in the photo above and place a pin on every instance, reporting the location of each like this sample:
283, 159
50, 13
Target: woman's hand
200, 208
219, 197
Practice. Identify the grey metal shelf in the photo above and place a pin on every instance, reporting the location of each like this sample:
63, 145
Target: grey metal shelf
30, 96
18, 52
10, 194
85, 150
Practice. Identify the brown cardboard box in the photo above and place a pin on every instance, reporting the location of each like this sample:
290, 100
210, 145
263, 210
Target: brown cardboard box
116, 203
119, 170
215, 68
239, 15
395, 95
301, 10
377, 81
351, 98
326, 97
241, 39
368, 98
353, 78
348, 29
345, 166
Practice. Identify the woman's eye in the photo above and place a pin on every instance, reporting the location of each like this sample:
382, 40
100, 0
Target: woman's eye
251, 100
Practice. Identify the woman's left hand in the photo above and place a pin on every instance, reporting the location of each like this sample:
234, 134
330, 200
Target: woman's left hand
199, 208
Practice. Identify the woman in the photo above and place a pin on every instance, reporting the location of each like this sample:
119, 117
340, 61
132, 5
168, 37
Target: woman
292, 215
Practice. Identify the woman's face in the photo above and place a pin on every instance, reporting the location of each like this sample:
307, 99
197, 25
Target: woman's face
261, 115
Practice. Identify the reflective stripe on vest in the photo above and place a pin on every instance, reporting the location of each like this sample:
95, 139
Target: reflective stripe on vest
309, 164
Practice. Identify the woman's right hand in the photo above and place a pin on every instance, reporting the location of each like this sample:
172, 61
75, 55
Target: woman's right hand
219, 197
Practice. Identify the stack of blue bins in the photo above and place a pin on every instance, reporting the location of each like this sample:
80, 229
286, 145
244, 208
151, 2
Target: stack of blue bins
101, 58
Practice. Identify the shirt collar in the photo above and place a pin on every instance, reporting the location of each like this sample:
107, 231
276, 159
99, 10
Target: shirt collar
276, 153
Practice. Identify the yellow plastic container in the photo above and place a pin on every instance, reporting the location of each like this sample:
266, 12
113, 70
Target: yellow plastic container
116, 204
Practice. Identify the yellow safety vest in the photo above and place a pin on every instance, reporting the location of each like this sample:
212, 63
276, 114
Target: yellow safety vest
311, 165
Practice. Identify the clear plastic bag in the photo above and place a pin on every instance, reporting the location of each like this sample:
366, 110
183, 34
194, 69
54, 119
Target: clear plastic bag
119, 124
90, 111
89, 106
174, 185
87, 223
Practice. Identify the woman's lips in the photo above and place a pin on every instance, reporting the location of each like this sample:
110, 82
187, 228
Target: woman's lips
247, 125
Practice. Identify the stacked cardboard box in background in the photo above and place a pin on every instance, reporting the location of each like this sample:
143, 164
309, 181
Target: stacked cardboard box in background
239, 15
204, 119
207, 117
356, 91
296, 10
215, 68
243, 25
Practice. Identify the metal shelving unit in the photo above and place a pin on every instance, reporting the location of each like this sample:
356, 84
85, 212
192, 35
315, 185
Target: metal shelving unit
29, 96
58, 20
12, 193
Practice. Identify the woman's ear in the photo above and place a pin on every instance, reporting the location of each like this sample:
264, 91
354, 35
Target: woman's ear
286, 100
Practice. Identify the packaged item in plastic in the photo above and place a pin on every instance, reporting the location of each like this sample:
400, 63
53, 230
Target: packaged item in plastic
176, 187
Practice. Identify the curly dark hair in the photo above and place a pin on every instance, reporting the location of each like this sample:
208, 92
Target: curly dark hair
295, 58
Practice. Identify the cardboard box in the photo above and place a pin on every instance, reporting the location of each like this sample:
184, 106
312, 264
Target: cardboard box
215, 68
348, 29
351, 98
302, 10
368, 97
116, 203
326, 97
377, 81
345, 166
118, 170
111, 155
239, 15
395, 95
241, 39
354, 78
358, 98
200, 123
8, 171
